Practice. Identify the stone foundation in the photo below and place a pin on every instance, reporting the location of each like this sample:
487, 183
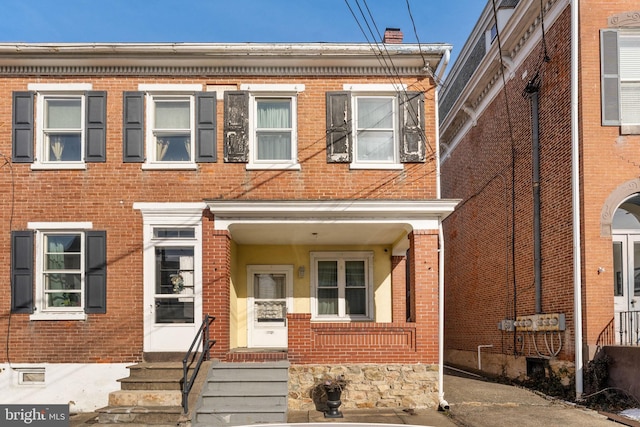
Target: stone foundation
368, 386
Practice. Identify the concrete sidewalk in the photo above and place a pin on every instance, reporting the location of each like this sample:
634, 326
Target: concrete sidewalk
473, 402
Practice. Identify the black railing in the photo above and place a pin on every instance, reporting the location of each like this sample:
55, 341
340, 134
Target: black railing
628, 328
198, 353
607, 336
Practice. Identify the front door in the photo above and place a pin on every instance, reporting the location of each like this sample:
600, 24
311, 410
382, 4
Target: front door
626, 284
269, 298
173, 308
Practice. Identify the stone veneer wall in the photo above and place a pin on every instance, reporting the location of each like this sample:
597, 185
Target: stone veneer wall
368, 386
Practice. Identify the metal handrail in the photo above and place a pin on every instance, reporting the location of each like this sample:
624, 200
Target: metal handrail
623, 329
203, 340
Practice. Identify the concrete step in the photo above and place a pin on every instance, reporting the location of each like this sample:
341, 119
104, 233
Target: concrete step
253, 372
245, 404
245, 388
139, 415
145, 398
237, 418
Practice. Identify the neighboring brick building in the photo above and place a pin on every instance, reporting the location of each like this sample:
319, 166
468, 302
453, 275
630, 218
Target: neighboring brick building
289, 190
547, 170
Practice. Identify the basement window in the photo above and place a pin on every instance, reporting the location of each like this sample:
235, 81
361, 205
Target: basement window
31, 376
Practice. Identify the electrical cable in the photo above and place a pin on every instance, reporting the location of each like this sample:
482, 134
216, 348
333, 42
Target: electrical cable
7, 162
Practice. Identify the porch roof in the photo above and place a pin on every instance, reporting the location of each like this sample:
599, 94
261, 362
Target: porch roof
331, 222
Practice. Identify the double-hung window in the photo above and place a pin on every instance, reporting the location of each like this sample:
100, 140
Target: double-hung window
171, 129
274, 131
62, 128
342, 285
169, 126
374, 126
620, 73
69, 271
68, 127
261, 126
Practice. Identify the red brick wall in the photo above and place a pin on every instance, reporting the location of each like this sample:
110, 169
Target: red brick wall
104, 194
479, 273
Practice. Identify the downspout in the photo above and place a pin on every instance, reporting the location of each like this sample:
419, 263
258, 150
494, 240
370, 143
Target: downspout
575, 196
533, 91
442, 403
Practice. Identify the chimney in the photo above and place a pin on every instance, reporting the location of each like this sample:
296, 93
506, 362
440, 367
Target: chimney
392, 36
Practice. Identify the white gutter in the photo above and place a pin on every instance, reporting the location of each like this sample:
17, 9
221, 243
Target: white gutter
575, 197
443, 404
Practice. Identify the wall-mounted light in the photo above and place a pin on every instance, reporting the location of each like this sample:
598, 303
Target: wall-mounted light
301, 271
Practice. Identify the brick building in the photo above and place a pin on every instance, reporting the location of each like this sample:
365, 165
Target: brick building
539, 137
288, 190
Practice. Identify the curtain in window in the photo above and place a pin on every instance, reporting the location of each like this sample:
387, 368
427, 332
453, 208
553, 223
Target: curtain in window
273, 129
328, 287
375, 129
63, 123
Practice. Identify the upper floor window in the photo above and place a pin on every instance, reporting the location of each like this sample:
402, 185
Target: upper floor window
620, 74
375, 126
69, 271
169, 126
171, 133
342, 285
68, 126
261, 126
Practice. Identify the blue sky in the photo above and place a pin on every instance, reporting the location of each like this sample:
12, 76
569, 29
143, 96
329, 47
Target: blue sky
235, 20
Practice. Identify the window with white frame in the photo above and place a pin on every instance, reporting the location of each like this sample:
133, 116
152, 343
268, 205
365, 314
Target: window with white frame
70, 125
261, 126
376, 129
171, 129
62, 128
274, 130
620, 69
69, 258
342, 285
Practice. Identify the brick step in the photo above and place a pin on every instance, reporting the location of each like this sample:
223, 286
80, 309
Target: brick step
132, 416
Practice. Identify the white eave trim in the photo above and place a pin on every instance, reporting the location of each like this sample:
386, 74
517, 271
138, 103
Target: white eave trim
395, 210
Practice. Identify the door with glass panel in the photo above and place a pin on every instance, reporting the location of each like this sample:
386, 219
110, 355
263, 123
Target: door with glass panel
269, 298
173, 289
626, 281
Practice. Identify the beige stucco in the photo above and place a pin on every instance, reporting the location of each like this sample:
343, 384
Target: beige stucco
299, 256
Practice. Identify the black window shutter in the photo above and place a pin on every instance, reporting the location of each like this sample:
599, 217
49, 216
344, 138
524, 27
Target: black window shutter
236, 126
412, 136
133, 127
610, 75
206, 127
22, 271
22, 132
339, 127
96, 272
96, 126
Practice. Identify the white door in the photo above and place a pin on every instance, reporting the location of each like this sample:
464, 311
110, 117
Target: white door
173, 306
269, 298
626, 283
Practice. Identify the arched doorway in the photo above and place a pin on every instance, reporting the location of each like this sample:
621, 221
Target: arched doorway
626, 267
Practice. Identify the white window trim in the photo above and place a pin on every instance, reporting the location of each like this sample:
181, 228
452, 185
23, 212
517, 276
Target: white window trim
179, 215
288, 91
44, 90
342, 255
390, 165
41, 228
168, 90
